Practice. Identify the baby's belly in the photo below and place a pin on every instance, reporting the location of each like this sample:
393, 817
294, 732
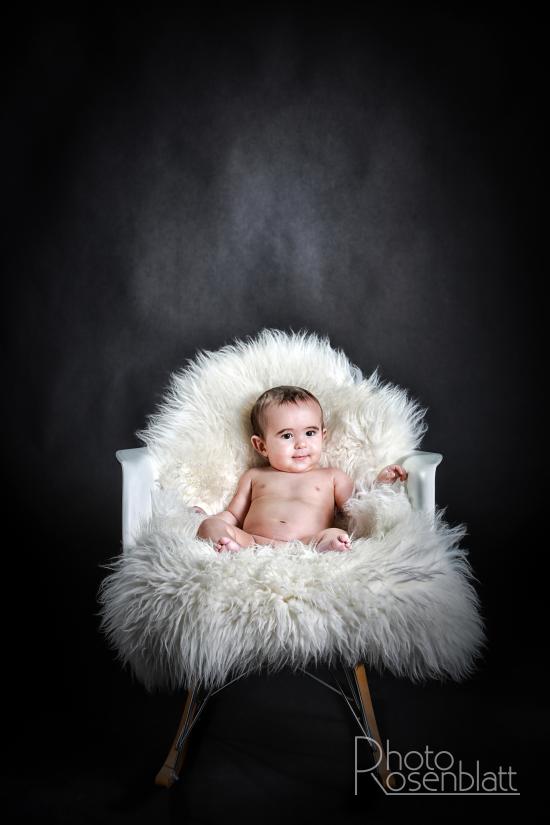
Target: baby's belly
287, 520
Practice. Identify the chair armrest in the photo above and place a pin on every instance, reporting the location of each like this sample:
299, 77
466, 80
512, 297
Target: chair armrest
139, 475
420, 484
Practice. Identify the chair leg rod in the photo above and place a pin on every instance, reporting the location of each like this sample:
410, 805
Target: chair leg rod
187, 730
363, 724
366, 701
169, 773
352, 683
338, 690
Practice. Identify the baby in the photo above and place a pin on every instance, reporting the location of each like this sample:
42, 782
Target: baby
292, 497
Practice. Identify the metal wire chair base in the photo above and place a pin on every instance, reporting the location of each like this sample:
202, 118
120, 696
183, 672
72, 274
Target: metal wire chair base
357, 699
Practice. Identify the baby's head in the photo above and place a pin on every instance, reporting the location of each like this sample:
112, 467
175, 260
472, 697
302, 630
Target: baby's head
288, 429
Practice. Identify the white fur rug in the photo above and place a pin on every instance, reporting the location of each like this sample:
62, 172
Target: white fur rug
402, 598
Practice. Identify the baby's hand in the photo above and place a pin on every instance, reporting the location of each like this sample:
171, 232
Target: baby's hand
391, 473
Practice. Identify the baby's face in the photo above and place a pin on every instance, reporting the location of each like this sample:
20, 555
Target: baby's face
294, 437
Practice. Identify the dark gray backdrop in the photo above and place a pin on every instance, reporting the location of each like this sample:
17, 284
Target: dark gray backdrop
172, 182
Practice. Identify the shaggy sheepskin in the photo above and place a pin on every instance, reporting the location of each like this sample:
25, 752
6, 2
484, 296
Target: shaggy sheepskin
402, 598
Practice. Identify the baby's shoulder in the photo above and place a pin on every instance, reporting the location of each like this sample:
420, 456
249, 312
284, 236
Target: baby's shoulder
336, 473
253, 473
340, 480
260, 470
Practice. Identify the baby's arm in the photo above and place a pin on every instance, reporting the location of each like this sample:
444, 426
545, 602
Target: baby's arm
239, 505
343, 488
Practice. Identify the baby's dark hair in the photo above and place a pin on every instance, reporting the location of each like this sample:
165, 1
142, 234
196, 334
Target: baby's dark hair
278, 396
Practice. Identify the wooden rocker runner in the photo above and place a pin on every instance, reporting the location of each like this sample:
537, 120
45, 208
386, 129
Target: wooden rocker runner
359, 702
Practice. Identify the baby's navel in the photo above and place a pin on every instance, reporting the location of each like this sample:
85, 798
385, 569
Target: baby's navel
283, 522
317, 488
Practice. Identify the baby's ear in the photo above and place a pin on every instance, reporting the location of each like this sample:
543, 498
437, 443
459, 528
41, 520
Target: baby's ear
258, 445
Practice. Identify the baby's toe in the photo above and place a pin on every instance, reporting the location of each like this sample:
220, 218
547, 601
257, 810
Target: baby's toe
221, 544
226, 543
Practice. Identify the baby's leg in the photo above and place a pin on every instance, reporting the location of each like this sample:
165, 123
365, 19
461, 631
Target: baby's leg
224, 535
332, 539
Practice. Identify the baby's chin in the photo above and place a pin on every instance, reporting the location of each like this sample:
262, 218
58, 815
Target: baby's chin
298, 467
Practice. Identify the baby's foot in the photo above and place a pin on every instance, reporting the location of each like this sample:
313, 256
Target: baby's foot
225, 543
338, 541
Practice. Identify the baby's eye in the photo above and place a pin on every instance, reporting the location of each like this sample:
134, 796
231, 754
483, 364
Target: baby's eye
311, 432
286, 435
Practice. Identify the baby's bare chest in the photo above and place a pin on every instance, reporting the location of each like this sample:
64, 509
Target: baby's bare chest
315, 488
289, 505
